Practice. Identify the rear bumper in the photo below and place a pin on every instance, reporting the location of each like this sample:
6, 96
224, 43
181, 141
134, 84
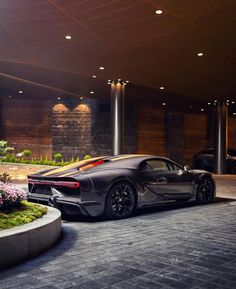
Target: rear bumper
67, 205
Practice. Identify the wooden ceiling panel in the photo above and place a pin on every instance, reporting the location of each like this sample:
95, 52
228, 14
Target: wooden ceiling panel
27, 11
126, 37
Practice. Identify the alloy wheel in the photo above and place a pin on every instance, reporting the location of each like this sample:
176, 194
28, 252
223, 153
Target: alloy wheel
205, 190
121, 201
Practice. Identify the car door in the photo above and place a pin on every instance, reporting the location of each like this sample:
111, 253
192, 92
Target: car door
209, 158
166, 180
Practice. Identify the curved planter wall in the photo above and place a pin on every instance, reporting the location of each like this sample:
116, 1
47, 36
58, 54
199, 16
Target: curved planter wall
21, 243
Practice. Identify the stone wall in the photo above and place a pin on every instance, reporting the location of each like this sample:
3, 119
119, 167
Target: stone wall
83, 127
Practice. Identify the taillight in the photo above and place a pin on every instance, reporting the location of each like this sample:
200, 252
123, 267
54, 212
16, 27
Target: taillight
73, 185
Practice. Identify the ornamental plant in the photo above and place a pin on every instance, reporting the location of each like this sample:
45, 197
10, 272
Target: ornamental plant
26, 153
4, 149
87, 157
58, 157
10, 196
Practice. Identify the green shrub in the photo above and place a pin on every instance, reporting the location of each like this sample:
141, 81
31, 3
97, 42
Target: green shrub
58, 157
4, 149
87, 157
9, 158
27, 153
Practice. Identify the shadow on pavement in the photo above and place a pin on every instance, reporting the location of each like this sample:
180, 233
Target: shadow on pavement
147, 210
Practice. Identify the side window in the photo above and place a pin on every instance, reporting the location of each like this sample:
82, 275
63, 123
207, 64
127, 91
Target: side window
158, 165
144, 166
173, 167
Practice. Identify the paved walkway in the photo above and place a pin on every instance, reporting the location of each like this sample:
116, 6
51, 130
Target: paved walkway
181, 246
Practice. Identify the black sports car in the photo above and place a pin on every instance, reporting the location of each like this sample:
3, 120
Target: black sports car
116, 186
205, 160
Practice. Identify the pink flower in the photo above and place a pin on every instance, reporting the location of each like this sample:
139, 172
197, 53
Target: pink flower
10, 194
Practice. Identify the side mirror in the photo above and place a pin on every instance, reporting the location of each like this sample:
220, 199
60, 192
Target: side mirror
187, 168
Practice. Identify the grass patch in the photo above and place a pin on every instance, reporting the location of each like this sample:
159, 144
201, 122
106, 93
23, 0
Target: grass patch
27, 213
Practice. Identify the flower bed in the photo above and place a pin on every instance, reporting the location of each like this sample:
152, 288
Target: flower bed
11, 196
14, 209
24, 214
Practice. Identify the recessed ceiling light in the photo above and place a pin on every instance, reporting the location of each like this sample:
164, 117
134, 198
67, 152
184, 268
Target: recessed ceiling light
162, 87
101, 68
94, 76
81, 97
202, 109
159, 12
164, 103
68, 37
209, 103
233, 102
58, 97
92, 92
200, 54
20, 91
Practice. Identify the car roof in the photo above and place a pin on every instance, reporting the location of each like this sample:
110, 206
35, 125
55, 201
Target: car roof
125, 161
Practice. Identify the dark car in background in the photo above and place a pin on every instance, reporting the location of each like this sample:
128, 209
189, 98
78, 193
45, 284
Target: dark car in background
118, 185
204, 160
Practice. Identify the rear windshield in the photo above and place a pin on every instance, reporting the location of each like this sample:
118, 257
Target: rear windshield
88, 165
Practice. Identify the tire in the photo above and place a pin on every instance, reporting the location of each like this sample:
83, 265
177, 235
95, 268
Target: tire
120, 201
205, 190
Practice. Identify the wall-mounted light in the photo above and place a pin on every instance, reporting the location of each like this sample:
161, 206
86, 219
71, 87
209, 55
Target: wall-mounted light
233, 102
94, 76
101, 67
81, 97
164, 103
200, 54
91, 92
68, 37
202, 109
159, 11
209, 103
162, 87
20, 91
58, 98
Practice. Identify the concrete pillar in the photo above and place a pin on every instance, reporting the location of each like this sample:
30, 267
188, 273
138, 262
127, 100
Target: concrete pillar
117, 116
221, 137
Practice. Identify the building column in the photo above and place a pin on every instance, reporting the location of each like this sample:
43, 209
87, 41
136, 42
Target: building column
221, 137
117, 116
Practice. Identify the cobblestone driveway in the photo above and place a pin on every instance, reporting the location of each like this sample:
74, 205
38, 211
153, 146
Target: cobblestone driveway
186, 246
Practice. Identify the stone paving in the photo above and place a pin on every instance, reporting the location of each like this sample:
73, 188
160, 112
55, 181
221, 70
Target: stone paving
182, 246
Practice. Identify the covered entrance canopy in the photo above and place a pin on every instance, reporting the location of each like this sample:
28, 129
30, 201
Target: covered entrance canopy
180, 55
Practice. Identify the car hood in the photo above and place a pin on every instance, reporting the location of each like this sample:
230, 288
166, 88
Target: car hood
199, 172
